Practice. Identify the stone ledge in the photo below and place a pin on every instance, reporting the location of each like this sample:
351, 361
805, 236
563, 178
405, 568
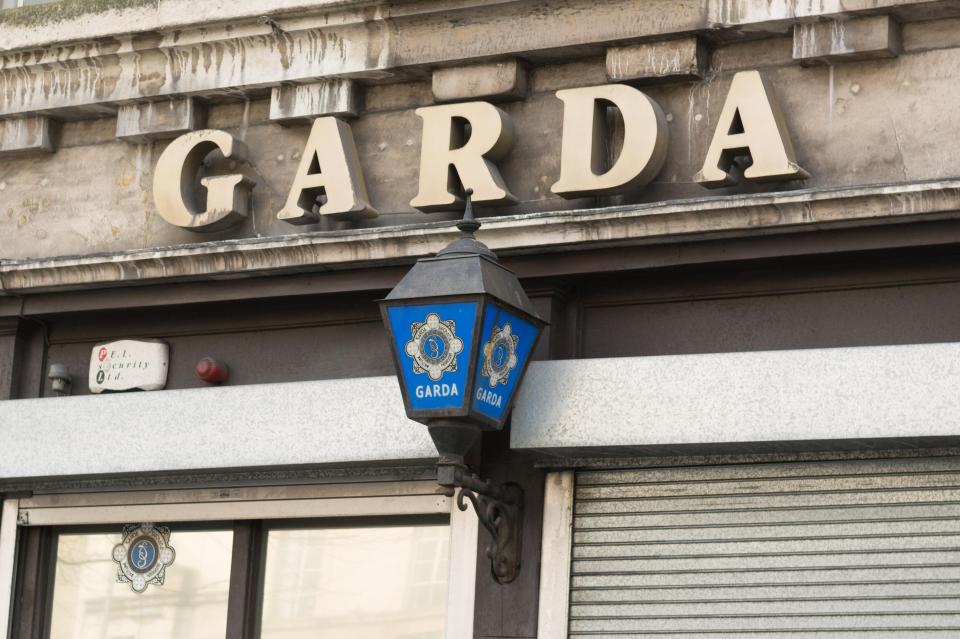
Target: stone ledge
746, 403
662, 222
174, 429
872, 397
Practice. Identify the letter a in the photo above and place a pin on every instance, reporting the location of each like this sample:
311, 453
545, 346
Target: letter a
644, 141
330, 167
751, 122
444, 151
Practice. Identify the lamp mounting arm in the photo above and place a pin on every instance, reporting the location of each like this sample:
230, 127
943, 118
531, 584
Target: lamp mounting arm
499, 508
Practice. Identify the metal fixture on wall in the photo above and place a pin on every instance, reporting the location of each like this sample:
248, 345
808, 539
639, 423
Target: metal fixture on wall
462, 332
59, 378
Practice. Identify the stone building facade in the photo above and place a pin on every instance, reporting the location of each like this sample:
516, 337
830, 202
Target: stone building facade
740, 218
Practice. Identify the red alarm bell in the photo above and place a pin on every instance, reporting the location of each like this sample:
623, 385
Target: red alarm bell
212, 371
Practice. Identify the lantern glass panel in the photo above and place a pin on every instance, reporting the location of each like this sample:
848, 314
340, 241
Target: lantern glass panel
433, 343
506, 343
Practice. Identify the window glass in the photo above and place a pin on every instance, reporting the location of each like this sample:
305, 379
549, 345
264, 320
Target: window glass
356, 583
88, 602
10, 4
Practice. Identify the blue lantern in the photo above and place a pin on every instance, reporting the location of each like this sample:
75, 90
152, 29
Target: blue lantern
462, 331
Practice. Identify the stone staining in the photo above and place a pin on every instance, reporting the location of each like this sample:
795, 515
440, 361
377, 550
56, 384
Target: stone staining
299, 103
644, 144
491, 139
751, 123
142, 122
679, 59
869, 38
26, 136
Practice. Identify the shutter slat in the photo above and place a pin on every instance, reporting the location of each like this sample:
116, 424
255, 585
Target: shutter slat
766, 591
789, 501
770, 485
809, 574
860, 633
853, 621
790, 530
772, 546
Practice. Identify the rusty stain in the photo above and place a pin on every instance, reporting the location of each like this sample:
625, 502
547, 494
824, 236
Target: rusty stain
283, 46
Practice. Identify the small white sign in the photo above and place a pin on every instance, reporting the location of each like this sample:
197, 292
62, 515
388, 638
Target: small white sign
128, 364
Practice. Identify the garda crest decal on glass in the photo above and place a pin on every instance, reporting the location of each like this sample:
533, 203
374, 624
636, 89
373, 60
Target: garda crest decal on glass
434, 346
432, 349
508, 341
143, 556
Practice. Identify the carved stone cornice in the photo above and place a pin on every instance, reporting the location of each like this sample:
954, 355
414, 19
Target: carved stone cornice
73, 61
562, 231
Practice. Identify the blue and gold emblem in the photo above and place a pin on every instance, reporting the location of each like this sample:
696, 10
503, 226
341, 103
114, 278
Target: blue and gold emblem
500, 355
434, 346
143, 555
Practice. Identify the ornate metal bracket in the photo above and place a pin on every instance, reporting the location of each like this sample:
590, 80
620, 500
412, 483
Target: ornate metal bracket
499, 508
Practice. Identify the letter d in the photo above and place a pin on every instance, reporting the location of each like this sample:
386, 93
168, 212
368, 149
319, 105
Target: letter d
581, 159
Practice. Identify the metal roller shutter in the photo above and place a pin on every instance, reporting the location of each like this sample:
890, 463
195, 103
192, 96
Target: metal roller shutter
855, 550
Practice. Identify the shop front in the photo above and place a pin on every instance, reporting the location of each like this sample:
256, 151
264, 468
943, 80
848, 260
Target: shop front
691, 371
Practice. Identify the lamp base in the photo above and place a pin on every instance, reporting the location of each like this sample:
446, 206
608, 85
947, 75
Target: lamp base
453, 439
499, 507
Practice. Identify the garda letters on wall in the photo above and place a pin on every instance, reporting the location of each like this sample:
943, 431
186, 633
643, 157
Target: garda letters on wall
329, 181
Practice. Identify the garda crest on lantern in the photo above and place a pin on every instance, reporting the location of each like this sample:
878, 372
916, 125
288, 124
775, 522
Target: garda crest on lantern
463, 331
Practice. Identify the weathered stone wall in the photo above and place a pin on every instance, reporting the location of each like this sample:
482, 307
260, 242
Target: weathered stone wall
856, 122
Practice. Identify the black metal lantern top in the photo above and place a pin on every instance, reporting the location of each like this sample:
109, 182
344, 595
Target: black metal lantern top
465, 267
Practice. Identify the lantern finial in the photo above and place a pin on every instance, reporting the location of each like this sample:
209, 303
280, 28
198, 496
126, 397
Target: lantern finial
468, 244
469, 224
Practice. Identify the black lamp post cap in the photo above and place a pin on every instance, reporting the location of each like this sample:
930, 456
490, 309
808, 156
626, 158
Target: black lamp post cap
468, 244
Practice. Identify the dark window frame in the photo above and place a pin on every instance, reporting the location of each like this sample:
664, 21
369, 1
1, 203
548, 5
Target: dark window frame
37, 552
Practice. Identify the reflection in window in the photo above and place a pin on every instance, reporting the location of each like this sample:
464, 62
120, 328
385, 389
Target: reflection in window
88, 602
11, 4
356, 583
